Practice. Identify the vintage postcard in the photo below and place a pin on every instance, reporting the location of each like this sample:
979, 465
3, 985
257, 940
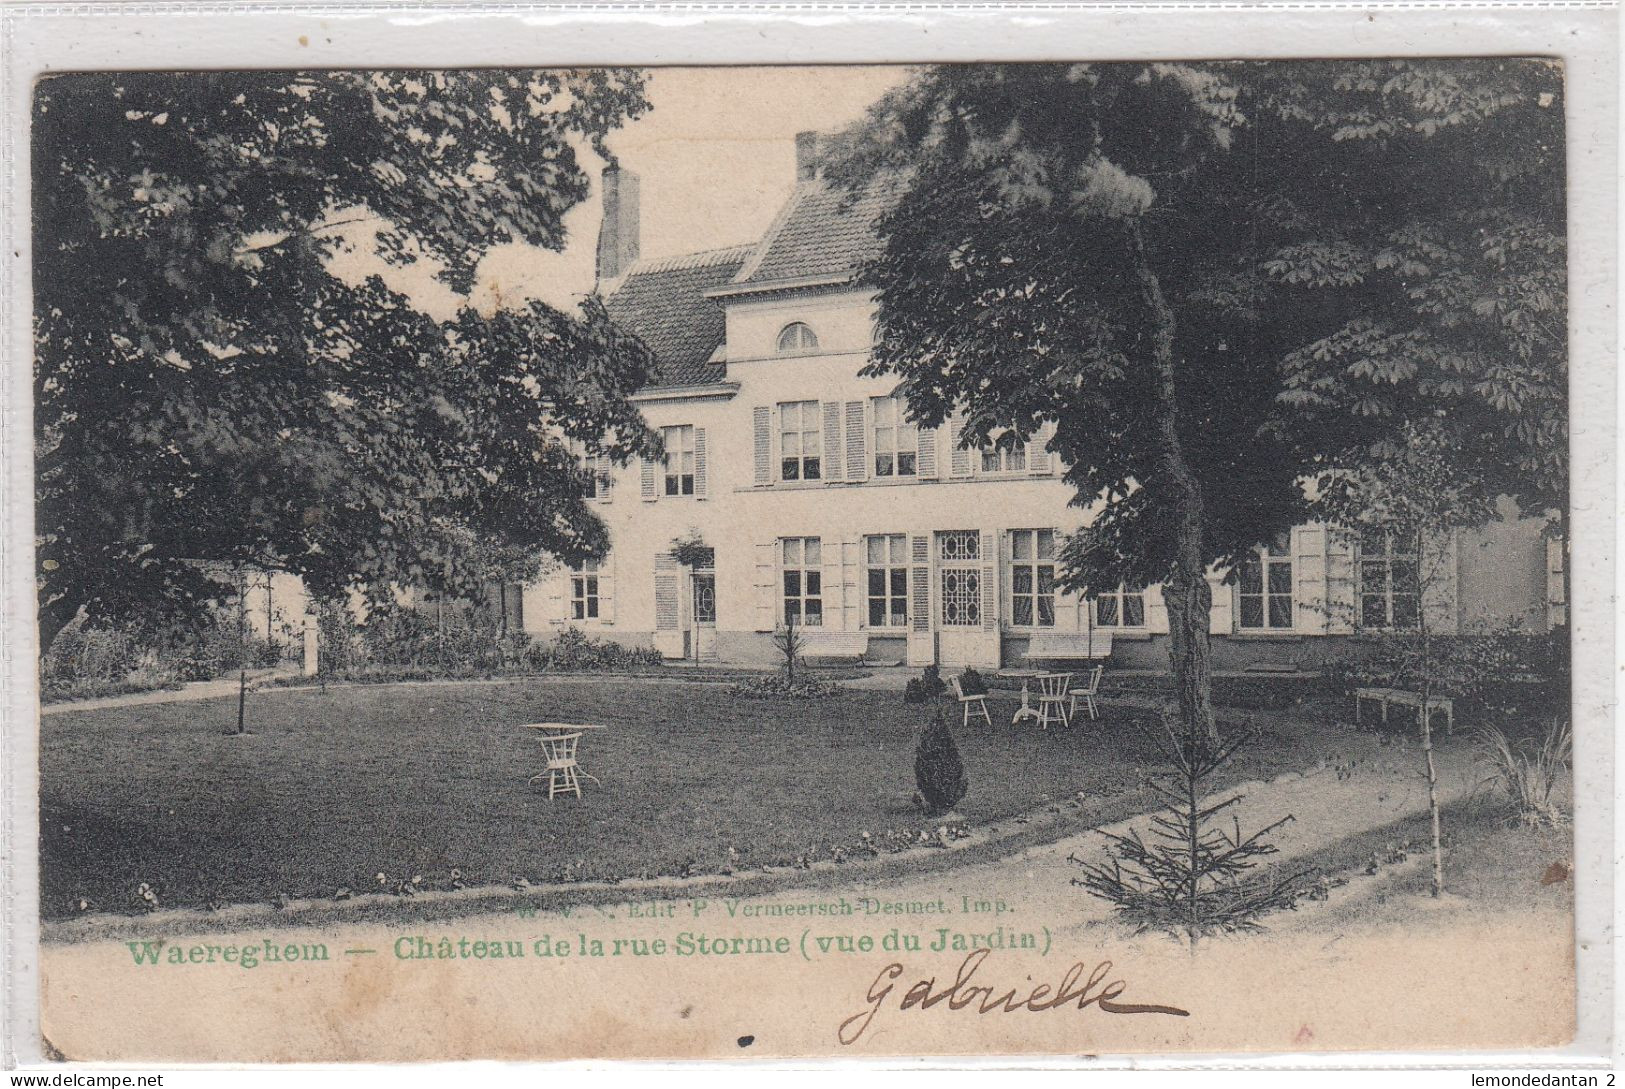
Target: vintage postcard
842, 561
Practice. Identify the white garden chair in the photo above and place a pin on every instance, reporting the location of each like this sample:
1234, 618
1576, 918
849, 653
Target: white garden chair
562, 773
975, 703
1052, 688
1087, 691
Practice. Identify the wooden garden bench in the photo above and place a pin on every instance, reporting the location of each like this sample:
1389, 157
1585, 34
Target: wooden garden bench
1387, 697
834, 644
1059, 646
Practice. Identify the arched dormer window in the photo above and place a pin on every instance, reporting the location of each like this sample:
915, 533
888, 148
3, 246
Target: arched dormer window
797, 337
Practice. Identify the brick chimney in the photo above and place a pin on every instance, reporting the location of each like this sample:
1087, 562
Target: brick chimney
806, 156
618, 233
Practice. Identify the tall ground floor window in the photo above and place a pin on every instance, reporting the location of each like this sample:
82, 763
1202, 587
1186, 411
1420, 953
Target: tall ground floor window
886, 563
803, 581
584, 592
1032, 578
1264, 587
1120, 608
1390, 578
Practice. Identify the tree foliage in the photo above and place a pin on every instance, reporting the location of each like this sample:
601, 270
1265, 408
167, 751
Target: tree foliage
1217, 281
208, 389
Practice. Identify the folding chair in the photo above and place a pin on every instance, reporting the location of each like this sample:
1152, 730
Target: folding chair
1087, 691
976, 703
563, 775
1052, 689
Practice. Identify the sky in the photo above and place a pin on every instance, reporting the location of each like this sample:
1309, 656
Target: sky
716, 158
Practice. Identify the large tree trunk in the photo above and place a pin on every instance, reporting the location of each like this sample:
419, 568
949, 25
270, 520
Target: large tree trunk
1187, 595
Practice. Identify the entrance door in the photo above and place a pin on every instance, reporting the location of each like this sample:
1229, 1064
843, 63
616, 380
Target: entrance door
959, 597
704, 609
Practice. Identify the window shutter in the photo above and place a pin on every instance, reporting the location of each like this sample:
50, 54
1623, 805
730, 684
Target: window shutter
832, 441
834, 585
990, 581
1341, 604
762, 423
919, 583
926, 461
1221, 616
606, 590
765, 585
606, 478
1309, 578
851, 591
1039, 462
557, 602
1439, 581
1557, 606
666, 586
958, 456
699, 463
857, 448
649, 491
1156, 610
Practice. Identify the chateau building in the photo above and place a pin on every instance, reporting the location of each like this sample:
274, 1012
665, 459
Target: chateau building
805, 496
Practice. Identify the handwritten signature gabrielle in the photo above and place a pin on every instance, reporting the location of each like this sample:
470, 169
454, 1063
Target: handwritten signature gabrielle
962, 994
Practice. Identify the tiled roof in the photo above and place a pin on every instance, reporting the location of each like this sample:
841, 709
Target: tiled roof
663, 302
822, 232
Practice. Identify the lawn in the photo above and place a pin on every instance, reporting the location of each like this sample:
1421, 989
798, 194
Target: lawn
333, 788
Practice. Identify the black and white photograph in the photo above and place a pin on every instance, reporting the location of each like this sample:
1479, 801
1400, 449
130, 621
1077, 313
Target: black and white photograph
827, 561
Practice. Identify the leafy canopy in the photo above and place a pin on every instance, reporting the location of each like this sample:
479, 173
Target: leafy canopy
208, 389
1345, 247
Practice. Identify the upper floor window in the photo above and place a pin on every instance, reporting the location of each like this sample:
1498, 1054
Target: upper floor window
897, 442
998, 459
797, 337
802, 560
1264, 590
1120, 608
597, 469
1390, 582
800, 441
679, 459
886, 559
584, 592
1032, 578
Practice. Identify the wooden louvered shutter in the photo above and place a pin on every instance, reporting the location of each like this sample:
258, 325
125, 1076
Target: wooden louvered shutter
958, 456
649, 491
1309, 578
1039, 462
857, 446
700, 458
764, 584
851, 589
762, 427
1221, 618
606, 590
1156, 610
1557, 605
1439, 581
832, 459
919, 583
1341, 594
666, 587
990, 581
557, 603
926, 460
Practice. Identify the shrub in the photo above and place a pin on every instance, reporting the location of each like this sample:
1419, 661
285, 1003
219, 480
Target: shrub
576, 651
972, 683
932, 681
780, 686
938, 770
914, 691
1529, 773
